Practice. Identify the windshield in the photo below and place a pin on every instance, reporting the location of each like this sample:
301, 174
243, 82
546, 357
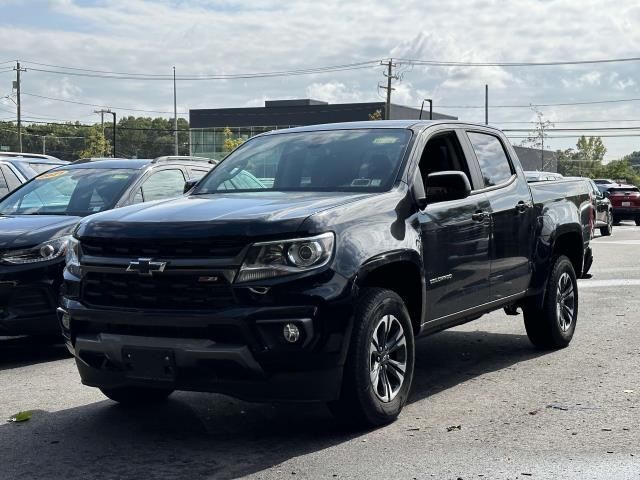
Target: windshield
364, 160
80, 192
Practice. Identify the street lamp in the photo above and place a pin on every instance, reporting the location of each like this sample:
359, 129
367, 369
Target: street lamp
430, 108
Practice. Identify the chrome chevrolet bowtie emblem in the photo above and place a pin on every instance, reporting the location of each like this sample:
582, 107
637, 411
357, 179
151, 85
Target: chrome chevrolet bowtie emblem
146, 267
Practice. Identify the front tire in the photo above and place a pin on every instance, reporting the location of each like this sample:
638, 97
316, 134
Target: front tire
379, 368
136, 396
553, 324
637, 222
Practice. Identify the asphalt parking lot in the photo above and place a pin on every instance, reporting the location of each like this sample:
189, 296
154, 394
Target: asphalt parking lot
485, 404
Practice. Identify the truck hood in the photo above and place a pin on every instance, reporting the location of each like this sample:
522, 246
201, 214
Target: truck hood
229, 214
24, 231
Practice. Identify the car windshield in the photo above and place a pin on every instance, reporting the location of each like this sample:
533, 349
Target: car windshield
80, 191
364, 160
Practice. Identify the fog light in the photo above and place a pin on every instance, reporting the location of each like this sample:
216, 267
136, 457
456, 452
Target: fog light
291, 333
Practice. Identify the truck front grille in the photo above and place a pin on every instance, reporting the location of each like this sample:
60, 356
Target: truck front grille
216, 248
173, 292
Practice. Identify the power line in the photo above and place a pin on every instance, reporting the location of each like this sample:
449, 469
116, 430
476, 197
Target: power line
438, 63
572, 121
564, 104
605, 135
83, 72
587, 129
98, 105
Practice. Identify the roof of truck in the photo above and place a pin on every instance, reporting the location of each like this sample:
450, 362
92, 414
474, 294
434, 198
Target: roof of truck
408, 124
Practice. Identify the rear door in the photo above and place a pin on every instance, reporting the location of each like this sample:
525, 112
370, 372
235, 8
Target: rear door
455, 235
512, 214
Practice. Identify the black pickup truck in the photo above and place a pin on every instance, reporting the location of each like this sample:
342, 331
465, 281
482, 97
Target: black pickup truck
313, 285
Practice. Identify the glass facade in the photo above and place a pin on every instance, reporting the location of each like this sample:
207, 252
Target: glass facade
210, 142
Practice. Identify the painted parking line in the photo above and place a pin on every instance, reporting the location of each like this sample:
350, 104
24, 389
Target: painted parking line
615, 282
618, 242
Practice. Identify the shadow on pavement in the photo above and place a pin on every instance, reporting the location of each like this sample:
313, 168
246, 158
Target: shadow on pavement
21, 351
211, 436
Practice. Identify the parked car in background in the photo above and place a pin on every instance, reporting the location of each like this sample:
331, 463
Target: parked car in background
36, 219
536, 176
625, 202
604, 184
311, 286
17, 168
603, 210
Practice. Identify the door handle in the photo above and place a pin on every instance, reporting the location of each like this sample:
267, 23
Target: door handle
479, 216
522, 206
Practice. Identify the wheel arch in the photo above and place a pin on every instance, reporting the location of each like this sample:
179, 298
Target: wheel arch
402, 272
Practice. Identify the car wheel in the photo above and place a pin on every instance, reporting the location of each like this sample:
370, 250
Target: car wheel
638, 222
606, 231
379, 368
553, 324
136, 396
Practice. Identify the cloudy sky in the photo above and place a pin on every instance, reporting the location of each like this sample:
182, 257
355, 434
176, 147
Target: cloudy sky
206, 37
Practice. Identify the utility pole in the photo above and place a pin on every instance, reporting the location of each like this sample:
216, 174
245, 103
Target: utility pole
486, 104
44, 144
175, 111
390, 76
17, 87
102, 112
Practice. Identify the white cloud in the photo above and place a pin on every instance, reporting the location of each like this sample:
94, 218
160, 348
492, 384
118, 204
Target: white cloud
231, 36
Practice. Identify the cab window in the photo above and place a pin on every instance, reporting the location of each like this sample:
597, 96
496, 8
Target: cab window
494, 164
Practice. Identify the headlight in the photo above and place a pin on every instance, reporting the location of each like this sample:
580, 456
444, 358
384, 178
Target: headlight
273, 259
49, 250
73, 256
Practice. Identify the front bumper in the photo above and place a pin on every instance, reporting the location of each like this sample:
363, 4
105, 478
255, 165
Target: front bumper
28, 299
237, 350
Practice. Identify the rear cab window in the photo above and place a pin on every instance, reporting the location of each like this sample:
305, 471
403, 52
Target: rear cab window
492, 158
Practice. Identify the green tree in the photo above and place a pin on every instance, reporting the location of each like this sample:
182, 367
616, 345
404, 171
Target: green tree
585, 160
377, 115
620, 170
96, 145
231, 143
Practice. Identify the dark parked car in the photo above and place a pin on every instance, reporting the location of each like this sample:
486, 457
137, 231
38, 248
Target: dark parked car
625, 202
603, 218
36, 219
536, 176
17, 168
315, 285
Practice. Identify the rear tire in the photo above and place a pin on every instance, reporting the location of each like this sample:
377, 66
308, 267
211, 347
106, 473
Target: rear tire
553, 324
638, 222
379, 367
136, 396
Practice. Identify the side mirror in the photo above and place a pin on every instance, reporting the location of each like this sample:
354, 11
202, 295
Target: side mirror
447, 185
606, 194
189, 184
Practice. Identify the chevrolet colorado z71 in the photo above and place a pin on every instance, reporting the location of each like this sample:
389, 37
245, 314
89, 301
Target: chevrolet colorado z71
314, 285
